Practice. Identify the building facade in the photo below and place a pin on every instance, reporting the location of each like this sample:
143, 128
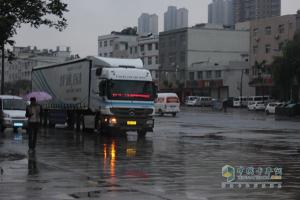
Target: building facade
267, 40
148, 24
26, 58
246, 10
144, 47
115, 45
221, 12
175, 18
186, 54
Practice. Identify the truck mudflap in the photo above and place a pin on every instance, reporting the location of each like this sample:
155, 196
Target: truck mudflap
127, 123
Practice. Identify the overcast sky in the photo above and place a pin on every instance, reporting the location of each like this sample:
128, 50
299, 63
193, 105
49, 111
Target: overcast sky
89, 18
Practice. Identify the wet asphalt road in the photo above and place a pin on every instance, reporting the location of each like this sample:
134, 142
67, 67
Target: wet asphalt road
182, 159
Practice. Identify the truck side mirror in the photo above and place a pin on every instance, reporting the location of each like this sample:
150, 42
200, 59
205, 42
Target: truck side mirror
155, 89
102, 88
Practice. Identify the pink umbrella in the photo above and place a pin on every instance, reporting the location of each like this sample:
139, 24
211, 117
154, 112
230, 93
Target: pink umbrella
39, 95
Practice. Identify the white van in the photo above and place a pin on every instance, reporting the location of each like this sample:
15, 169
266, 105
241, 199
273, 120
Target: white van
12, 112
167, 103
204, 101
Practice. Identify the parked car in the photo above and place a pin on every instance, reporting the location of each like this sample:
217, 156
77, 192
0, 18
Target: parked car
204, 101
167, 103
191, 100
12, 112
270, 109
288, 109
259, 105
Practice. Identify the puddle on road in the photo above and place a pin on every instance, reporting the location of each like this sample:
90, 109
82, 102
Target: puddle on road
11, 157
270, 131
199, 126
212, 136
97, 193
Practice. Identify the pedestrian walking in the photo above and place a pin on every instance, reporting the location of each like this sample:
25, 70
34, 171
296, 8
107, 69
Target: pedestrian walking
225, 102
33, 113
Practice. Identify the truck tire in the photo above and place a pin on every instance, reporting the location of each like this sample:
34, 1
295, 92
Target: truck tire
160, 112
2, 128
141, 133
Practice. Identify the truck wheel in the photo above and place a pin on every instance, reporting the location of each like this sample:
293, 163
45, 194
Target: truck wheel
174, 114
2, 128
141, 133
160, 112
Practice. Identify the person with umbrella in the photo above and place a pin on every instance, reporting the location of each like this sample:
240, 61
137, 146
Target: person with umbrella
33, 113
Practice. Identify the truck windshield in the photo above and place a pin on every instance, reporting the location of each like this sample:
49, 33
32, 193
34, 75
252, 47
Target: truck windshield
14, 104
131, 90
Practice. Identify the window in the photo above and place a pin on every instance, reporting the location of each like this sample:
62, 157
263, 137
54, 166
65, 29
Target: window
268, 48
100, 54
110, 42
105, 54
281, 28
100, 44
255, 32
142, 60
135, 50
208, 74
105, 43
142, 48
268, 30
110, 54
200, 75
182, 39
192, 76
255, 49
156, 60
218, 73
162, 59
182, 56
156, 46
149, 60
149, 47
172, 58
130, 50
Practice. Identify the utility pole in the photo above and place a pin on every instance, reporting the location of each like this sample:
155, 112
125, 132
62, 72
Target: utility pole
2, 67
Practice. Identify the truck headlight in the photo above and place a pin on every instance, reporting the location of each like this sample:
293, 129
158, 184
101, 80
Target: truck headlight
113, 120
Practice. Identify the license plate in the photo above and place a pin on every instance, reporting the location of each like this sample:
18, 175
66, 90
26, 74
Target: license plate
16, 124
131, 123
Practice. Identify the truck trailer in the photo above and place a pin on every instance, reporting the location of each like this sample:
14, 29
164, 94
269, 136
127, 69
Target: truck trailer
109, 95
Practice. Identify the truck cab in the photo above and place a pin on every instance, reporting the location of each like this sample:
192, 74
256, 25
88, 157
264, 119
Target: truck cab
126, 99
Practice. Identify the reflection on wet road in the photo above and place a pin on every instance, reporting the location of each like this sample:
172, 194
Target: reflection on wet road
182, 159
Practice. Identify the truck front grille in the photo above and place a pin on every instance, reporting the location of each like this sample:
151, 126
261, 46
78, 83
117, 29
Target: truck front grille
133, 112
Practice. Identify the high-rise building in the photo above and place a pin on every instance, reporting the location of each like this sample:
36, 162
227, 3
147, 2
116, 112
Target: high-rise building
148, 24
245, 10
182, 18
220, 12
174, 18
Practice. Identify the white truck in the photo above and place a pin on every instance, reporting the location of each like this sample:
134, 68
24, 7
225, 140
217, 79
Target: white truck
105, 94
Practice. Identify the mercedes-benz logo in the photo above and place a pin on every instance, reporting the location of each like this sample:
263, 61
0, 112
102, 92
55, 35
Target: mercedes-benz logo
131, 112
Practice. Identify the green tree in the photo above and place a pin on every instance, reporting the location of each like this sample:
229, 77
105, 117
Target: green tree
286, 68
14, 13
